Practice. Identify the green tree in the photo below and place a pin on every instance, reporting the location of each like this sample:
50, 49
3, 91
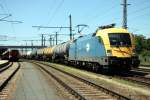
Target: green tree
139, 42
142, 45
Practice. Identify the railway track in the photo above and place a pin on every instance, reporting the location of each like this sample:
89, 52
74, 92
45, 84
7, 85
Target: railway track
145, 65
6, 67
82, 89
142, 70
7, 76
135, 78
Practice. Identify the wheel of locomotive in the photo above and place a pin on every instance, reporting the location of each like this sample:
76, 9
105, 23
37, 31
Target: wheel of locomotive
96, 67
106, 69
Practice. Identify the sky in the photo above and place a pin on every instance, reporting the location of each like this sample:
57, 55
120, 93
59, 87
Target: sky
93, 13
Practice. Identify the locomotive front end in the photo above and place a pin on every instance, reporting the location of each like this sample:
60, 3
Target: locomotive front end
120, 48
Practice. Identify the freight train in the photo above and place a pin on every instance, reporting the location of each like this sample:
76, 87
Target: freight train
11, 55
108, 49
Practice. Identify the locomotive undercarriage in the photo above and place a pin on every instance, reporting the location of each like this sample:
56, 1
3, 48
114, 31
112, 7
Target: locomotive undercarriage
112, 64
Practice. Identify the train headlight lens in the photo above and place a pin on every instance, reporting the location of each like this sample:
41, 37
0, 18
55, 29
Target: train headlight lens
109, 52
134, 51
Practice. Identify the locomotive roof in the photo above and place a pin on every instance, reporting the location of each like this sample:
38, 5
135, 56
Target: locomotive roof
112, 30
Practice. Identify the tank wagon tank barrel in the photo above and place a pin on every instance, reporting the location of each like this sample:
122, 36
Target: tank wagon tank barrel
61, 51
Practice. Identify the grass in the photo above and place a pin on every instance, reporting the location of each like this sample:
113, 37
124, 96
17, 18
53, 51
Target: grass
145, 63
118, 85
98, 78
145, 60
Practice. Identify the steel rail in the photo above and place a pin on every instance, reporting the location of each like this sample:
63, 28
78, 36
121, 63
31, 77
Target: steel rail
135, 78
107, 91
9, 78
73, 92
142, 70
6, 67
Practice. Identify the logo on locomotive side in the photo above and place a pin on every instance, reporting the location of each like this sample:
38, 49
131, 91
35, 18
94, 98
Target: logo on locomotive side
87, 47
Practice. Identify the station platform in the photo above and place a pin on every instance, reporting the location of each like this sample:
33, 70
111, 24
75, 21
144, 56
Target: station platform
3, 63
33, 85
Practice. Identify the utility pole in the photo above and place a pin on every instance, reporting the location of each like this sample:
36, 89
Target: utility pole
70, 28
53, 41
50, 40
26, 45
124, 22
56, 37
42, 40
31, 43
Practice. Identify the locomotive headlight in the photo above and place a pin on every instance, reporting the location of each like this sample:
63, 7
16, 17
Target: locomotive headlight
134, 51
109, 52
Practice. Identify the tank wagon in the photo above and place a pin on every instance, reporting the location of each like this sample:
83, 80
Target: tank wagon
61, 51
33, 54
48, 52
107, 49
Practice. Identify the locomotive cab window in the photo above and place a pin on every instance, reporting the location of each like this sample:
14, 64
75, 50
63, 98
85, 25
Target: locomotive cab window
119, 39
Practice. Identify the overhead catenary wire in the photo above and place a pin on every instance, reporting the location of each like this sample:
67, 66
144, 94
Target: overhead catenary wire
140, 10
102, 16
51, 9
139, 16
6, 10
142, 2
56, 11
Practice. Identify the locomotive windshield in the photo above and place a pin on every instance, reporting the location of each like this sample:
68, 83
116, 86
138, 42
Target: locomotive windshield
119, 39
